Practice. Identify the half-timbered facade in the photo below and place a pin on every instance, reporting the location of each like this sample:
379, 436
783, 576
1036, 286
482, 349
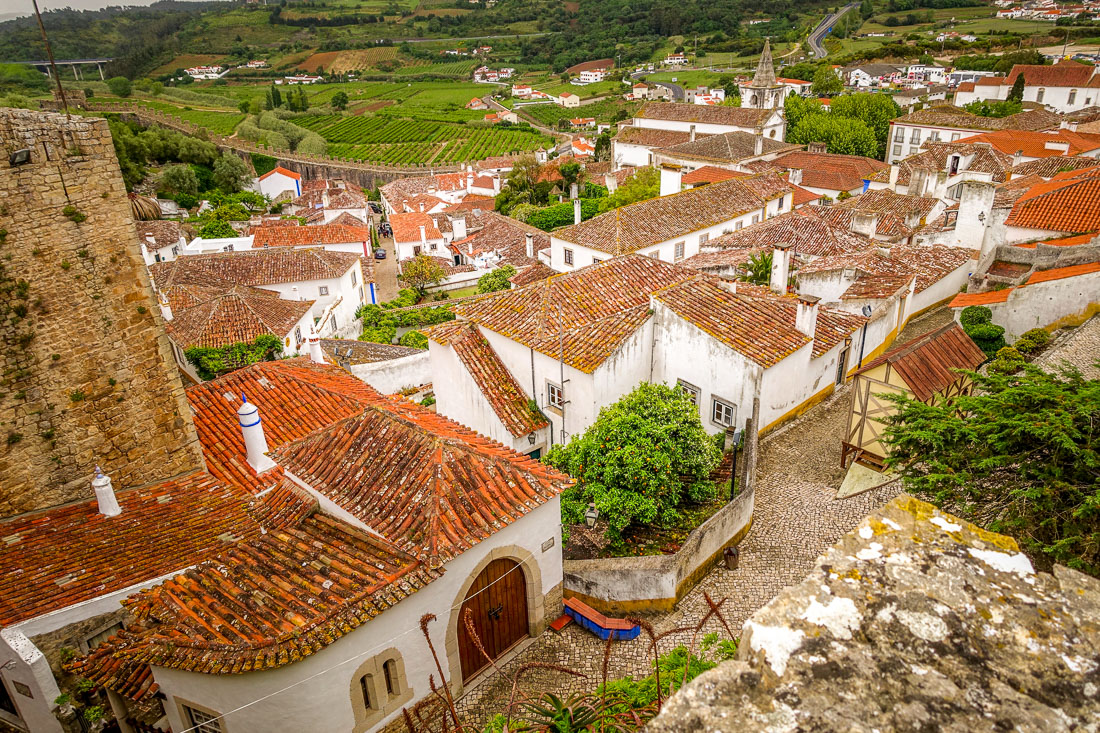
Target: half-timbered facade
924, 368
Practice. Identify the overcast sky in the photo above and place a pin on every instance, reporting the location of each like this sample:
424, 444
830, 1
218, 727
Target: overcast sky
14, 8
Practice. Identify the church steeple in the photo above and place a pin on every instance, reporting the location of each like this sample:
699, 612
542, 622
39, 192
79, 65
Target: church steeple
765, 69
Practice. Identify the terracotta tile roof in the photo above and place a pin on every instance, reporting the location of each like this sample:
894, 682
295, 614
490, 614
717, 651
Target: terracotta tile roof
321, 234
1072, 241
497, 384
729, 147
635, 226
496, 161
283, 171
254, 267
733, 116
723, 259
884, 201
528, 275
429, 485
927, 362
651, 138
262, 604
934, 157
406, 227
929, 263
295, 398
710, 174
1049, 167
1060, 273
69, 554
1062, 74
808, 232
1062, 205
875, 287
987, 298
582, 316
958, 118
505, 236
237, 315
831, 171
348, 220
165, 232
413, 203
1035, 144
363, 352
801, 196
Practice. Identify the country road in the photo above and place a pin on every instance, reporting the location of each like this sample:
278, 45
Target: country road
817, 35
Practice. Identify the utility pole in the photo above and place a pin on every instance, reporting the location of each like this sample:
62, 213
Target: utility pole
53, 66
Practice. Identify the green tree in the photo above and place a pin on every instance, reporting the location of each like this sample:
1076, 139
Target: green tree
570, 172
873, 110
758, 270
1016, 94
826, 82
339, 100
178, 179
865, 9
842, 135
212, 362
496, 280
985, 108
120, 86
216, 229
795, 108
1020, 454
977, 322
644, 184
420, 272
643, 458
230, 173
414, 339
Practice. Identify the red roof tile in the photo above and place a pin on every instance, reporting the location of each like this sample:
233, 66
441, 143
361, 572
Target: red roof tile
987, 298
710, 174
927, 363
310, 236
233, 316
283, 171
1060, 273
1034, 144
406, 227
1062, 204
830, 170
255, 268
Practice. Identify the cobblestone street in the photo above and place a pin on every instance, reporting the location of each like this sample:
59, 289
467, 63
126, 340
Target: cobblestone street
796, 518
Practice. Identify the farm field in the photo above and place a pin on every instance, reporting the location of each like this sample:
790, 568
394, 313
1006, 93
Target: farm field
603, 111
685, 79
451, 68
599, 89
316, 61
222, 123
366, 58
383, 139
186, 61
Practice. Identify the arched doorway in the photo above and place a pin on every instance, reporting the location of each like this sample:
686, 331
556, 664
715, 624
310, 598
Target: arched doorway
498, 604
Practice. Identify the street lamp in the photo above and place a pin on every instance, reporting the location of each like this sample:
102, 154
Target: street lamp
591, 516
863, 338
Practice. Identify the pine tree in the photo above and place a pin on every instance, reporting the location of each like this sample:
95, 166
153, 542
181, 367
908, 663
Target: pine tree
1016, 94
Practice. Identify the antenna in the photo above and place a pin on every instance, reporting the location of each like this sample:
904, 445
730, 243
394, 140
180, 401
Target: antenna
53, 66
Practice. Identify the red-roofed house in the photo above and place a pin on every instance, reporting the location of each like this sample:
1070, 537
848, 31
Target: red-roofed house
1026, 146
1067, 204
1064, 87
277, 181
416, 233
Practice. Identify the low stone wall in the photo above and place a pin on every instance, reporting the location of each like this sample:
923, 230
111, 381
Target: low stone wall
395, 375
658, 582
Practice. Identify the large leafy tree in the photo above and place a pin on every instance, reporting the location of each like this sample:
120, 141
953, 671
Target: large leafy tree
496, 280
826, 81
230, 173
842, 135
178, 179
873, 110
1021, 455
420, 272
644, 184
640, 461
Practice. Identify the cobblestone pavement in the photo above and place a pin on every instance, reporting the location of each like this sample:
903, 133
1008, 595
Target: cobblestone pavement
796, 519
1079, 346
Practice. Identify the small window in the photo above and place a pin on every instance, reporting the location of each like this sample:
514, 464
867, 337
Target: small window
915, 136
354, 278
202, 721
755, 218
899, 135
722, 413
1072, 96
298, 334
323, 290
360, 293
897, 150
704, 238
568, 255
389, 671
596, 260
693, 392
954, 136
739, 225
1039, 95
679, 251
175, 250
365, 683
554, 396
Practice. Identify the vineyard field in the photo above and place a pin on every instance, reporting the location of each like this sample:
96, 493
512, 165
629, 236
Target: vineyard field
391, 141
222, 123
603, 111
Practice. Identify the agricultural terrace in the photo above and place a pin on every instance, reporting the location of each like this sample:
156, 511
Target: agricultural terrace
222, 123
390, 141
604, 111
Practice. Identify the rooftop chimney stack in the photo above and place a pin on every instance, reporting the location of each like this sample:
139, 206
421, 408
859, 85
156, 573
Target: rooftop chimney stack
691, 133
530, 245
573, 191
315, 353
1017, 158
758, 147
423, 235
895, 170
421, 207
255, 444
805, 319
671, 179
794, 177
576, 211
781, 267
165, 307
864, 223
405, 205
469, 182
458, 226
105, 494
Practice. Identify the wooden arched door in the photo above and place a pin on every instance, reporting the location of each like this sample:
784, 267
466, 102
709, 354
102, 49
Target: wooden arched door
498, 603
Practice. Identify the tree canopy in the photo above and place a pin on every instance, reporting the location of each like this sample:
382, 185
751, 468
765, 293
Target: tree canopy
644, 184
420, 272
496, 280
1019, 455
643, 458
213, 362
826, 81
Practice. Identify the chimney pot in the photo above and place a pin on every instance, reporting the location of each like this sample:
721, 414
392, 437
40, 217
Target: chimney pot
781, 267
315, 353
105, 494
252, 429
530, 242
576, 211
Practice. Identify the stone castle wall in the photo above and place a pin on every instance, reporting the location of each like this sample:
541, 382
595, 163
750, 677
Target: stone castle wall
87, 372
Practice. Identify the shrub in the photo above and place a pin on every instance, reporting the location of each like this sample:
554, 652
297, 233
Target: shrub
211, 362
496, 280
415, 340
120, 86
989, 338
975, 314
1032, 342
1007, 361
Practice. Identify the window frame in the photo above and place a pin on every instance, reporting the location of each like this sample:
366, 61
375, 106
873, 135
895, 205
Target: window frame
694, 393
212, 722
322, 290
678, 250
567, 255
718, 402
554, 403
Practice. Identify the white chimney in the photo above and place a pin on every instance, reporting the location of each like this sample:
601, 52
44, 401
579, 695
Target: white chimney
470, 248
671, 179
572, 190
794, 176
1017, 158
315, 353
691, 133
165, 307
255, 444
1059, 145
895, 170
781, 267
758, 147
421, 207
610, 182
496, 185
458, 226
423, 235
805, 319
530, 246
576, 211
105, 494
864, 223
469, 182
405, 205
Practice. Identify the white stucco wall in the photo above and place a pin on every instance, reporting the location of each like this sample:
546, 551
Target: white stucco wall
276, 183
774, 124
434, 247
317, 693
345, 288
393, 375
1042, 304
945, 288
1056, 98
625, 154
